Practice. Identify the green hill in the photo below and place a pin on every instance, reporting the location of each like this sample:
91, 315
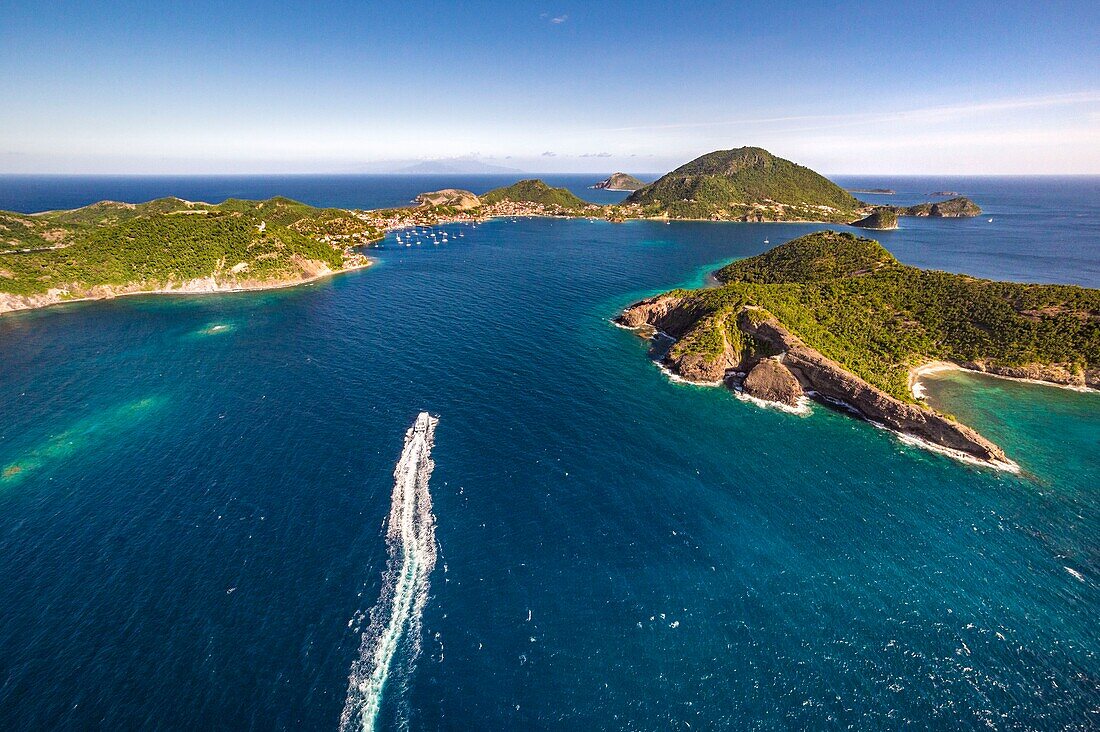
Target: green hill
620, 182
533, 191
880, 218
836, 315
747, 184
852, 300
169, 242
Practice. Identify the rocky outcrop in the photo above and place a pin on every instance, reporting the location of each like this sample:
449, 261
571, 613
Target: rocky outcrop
880, 218
451, 197
658, 312
796, 370
773, 382
953, 208
673, 316
830, 380
619, 182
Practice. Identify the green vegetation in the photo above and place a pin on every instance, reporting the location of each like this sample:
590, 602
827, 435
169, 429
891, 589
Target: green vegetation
880, 218
851, 300
748, 183
620, 182
959, 207
534, 191
172, 241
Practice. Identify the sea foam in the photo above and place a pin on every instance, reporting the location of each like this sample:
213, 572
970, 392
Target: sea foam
396, 619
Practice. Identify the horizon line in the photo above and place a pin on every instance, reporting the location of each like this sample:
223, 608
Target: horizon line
60, 174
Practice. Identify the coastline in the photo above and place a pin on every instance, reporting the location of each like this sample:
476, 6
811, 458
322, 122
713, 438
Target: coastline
935, 367
802, 408
11, 303
203, 289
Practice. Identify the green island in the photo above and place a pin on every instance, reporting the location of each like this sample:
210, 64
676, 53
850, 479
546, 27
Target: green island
837, 316
619, 182
746, 184
110, 249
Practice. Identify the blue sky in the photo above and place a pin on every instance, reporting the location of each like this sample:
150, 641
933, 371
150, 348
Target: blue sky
555, 86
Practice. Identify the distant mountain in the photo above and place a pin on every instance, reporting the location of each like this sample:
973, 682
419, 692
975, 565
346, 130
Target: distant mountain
746, 184
455, 167
620, 182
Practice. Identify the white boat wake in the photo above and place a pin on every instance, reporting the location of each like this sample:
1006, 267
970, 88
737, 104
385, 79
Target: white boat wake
396, 619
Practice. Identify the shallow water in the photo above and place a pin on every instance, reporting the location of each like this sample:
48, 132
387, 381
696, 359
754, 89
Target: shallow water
615, 550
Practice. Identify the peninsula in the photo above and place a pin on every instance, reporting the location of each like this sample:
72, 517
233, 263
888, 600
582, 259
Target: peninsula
837, 317
170, 245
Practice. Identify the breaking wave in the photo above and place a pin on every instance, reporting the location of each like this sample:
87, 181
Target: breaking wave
395, 621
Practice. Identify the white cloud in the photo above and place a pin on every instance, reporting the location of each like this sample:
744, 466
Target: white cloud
559, 19
925, 114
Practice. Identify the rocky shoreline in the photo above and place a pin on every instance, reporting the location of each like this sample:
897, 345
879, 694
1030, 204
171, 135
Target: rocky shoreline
10, 303
784, 370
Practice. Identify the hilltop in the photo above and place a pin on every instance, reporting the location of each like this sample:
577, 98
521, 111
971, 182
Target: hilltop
110, 248
880, 218
619, 182
455, 198
746, 184
535, 191
840, 317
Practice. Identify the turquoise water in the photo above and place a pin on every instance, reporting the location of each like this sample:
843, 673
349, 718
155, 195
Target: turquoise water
197, 513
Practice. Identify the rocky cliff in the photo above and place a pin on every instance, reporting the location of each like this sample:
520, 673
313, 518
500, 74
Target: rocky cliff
880, 218
828, 379
780, 367
848, 322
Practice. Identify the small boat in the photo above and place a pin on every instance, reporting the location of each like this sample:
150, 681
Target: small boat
991, 221
767, 242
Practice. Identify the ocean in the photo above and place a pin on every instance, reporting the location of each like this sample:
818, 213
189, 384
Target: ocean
195, 533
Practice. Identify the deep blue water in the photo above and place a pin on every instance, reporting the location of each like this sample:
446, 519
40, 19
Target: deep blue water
30, 193
199, 512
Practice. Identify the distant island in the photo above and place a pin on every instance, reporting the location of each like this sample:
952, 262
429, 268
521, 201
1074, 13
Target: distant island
961, 207
751, 184
170, 245
944, 193
619, 182
875, 191
837, 317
